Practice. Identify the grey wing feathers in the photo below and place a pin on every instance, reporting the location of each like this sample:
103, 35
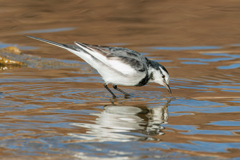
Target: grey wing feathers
127, 56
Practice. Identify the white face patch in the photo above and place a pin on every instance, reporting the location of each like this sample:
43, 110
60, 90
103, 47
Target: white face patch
164, 73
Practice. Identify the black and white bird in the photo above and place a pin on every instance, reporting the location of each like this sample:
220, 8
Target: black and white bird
117, 65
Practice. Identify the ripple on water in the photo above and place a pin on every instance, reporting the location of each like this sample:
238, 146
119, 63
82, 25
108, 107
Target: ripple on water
185, 48
64, 121
54, 116
50, 30
228, 57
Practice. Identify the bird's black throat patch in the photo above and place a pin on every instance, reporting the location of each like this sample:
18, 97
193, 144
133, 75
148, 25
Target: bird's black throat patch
144, 81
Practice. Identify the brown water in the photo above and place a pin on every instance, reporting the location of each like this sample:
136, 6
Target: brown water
63, 112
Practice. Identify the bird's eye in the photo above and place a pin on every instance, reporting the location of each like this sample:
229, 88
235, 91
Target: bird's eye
163, 76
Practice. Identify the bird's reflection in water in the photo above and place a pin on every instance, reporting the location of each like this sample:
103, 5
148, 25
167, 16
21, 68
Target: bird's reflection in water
125, 123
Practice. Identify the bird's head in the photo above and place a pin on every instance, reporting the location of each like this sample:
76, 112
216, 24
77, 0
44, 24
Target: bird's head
159, 74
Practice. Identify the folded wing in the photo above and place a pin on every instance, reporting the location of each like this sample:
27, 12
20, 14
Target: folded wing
121, 59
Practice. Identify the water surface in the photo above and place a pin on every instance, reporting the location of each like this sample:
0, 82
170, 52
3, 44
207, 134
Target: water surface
57, 108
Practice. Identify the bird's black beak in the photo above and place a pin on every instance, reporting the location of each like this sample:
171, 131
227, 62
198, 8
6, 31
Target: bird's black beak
168, 87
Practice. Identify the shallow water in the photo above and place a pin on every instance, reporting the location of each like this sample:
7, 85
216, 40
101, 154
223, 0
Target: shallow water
56, 107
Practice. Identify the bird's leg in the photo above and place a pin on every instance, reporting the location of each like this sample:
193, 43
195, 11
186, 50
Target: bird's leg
105, 85
125, 94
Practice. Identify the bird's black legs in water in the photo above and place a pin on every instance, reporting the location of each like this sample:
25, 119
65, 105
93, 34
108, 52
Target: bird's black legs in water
105, 85
125, 94
115, 87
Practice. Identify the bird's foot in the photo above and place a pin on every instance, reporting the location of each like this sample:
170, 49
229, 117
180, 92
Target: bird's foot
127, 96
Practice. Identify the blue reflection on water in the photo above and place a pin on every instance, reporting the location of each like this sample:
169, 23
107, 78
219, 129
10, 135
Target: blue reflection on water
191, 130
236, 100
194, 63
235, 44
163, 60
3, 45
200, 60
202, 109
222, 54
201, 146
72, 79
230, 90
220, 86
197, 106
232, 66
196, 146
231, 56
207, 60
226, 56
50, 30
204, 91
226, 123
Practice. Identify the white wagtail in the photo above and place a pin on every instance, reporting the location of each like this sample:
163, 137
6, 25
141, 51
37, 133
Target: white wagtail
117, 65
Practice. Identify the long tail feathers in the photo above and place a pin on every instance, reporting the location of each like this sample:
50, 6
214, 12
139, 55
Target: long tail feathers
64, 46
